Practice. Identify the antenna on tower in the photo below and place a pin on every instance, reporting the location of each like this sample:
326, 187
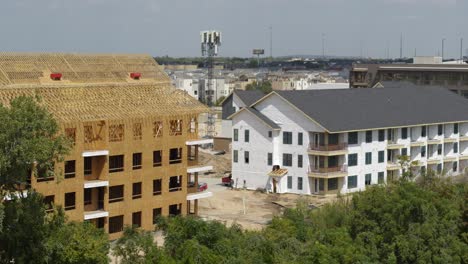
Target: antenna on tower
210, 42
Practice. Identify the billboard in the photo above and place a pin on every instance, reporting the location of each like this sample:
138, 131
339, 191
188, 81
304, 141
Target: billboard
258, 51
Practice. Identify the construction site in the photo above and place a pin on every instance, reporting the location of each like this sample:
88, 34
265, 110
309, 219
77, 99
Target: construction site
135, 137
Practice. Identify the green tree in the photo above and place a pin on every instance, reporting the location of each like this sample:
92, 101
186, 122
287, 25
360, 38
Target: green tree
407, 167
31, 235
26, 227
265, 87
28, 135
136, 246
75, 243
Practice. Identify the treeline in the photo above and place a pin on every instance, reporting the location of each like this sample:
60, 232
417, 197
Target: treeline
404, 222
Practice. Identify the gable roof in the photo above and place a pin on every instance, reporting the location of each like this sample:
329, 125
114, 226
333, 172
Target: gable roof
259, 115
361, 109
249, 96
94, 87
262, 117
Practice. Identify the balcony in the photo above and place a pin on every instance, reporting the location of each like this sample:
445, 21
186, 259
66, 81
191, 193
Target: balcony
193, 165
95, 214
393, 165
329, 149
330, 172
450, 140
392, 144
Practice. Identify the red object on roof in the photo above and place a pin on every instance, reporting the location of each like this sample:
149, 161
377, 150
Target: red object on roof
56, 76
135, 75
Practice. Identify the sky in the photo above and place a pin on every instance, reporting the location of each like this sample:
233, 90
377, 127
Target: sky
171, 27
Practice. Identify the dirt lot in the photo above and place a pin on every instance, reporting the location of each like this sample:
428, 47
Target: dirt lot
251, 209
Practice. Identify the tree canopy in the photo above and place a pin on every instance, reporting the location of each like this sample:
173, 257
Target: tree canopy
400, 223
28, 135
265, 87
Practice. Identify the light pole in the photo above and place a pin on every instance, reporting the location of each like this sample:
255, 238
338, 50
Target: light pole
443, 42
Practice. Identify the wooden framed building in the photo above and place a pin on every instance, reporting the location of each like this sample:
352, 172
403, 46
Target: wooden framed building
135, 152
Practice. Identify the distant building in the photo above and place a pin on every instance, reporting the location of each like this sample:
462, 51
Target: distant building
341, 141
188, 84
452, 76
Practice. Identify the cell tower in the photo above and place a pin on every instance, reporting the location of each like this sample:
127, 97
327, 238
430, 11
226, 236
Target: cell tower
210, 42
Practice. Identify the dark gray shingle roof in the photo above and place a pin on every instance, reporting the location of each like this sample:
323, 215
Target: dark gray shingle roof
265, 119
359, 109
249, 97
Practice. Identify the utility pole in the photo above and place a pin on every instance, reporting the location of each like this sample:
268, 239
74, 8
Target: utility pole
443, 42
271, 42
323, 46
401, 45
461, 50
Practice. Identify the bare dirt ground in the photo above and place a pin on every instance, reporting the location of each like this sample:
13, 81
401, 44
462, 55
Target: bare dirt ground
252, 210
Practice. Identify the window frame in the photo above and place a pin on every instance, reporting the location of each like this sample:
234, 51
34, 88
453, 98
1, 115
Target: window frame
300, 183
287, 138
117, 189
369, 135
404, 133
157, 161
355, 181
355, 161
381, 156
135, 194
156, 183
300, 138
353, 138
68, 165
67, 205
368, 179
381, 135
380, 177
246, 136
287, 160
235, 134
116, 163
137, 160
368, 158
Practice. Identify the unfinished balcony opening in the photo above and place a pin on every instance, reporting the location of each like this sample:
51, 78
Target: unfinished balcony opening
192, 155
93, 199
192, 182
93, 168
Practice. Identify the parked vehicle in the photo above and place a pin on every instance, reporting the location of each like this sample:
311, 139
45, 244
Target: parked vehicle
202, 186
227, 181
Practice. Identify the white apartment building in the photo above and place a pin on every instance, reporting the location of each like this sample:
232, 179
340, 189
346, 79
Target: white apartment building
189, 85
330, 141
